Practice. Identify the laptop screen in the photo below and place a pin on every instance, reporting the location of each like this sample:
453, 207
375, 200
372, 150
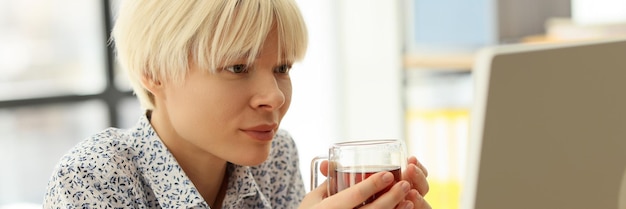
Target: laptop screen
548, 127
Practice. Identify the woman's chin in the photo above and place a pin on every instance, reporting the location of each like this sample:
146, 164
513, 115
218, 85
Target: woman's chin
251, 160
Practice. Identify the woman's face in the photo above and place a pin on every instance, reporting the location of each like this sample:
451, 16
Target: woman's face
232, 114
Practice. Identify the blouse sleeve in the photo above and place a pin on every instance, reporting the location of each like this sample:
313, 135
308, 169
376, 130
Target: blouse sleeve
72, 187
81, 182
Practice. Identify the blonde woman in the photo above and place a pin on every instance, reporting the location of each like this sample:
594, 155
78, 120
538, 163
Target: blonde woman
213, 77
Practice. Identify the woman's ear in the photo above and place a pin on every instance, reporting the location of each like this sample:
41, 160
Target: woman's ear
154, 86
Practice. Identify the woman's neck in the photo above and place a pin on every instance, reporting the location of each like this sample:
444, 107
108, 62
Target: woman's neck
206, 171
211, 185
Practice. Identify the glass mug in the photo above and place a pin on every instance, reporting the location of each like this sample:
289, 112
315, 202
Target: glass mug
353, 161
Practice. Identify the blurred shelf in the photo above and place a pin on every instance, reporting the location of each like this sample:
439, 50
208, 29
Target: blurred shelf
443, 61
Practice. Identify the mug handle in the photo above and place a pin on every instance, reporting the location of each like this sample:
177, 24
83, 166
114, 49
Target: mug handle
315, 167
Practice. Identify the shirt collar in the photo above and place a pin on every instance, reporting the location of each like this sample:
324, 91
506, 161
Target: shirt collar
243, 188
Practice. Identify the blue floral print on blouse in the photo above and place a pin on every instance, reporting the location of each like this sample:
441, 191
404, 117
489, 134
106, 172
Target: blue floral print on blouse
132, 168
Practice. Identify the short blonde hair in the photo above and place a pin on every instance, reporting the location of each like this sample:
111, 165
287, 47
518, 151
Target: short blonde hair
160, 38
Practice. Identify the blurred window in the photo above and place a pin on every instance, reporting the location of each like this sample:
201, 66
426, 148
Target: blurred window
58, 85
51, 48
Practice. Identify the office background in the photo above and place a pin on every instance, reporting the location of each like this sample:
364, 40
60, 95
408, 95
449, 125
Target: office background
374, 69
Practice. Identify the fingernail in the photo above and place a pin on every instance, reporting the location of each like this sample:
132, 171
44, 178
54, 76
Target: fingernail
405, 187
409, 205
388, 177
414, 167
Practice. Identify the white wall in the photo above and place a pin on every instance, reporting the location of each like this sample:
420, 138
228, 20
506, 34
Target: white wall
370, 68
599, 11
313, 119
348, 85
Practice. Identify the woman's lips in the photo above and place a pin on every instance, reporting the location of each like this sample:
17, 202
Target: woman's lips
261, 132
260, 135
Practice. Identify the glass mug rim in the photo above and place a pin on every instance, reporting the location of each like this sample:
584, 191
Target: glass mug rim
364, 143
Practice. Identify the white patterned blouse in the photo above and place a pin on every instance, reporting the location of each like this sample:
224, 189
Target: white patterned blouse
132, 168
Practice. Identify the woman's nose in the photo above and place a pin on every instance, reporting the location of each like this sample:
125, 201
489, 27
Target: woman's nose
268, 94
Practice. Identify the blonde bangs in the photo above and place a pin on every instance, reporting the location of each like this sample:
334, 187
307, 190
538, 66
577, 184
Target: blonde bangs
292, 32
240, 31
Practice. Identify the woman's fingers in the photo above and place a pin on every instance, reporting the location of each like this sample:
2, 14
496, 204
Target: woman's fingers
416, 175
314, 197
413, 160
417, 179
417, 200
324, 168
393, 198
360, 192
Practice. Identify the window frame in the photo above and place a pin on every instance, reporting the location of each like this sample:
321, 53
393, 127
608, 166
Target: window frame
111, 96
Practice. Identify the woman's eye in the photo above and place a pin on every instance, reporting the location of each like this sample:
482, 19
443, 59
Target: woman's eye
237, 68
283, 69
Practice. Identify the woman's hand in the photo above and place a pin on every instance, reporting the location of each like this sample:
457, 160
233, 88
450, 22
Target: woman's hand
416, 174
399, 196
